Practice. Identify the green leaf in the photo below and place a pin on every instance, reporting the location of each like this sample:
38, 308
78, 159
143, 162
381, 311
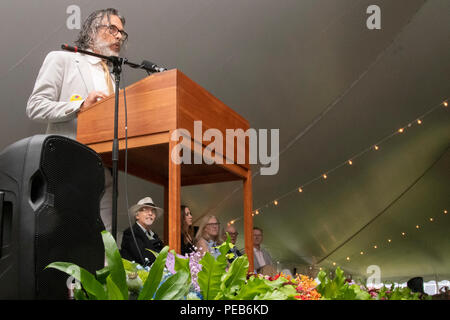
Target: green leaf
154, 276
102, 274
79, 294
143, 274
175, 287
272, 295
289, 291
254, 287
94, 288
236, 276
181, 263
129, 266
209, 278
113, 291
115, 264
275, 284
360, 294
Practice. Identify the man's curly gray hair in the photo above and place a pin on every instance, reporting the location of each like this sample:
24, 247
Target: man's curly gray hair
90, 26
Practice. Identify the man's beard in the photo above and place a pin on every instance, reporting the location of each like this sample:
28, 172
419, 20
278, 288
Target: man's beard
104, 48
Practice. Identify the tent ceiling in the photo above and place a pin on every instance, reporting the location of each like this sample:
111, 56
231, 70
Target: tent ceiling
334, 88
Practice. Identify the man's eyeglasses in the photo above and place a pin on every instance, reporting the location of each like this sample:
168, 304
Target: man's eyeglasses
114, 30
233, 233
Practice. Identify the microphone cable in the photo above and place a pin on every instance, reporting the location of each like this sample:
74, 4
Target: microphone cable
126, 169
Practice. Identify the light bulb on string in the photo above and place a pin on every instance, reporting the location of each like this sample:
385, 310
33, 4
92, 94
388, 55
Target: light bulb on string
350, 162
445, 103
376, 147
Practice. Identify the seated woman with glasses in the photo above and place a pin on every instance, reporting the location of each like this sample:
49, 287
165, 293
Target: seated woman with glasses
208, 236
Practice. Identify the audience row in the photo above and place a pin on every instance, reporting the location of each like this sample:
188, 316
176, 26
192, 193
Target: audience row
139, 240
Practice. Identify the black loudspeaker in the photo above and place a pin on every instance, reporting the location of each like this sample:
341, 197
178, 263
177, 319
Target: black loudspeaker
50, 192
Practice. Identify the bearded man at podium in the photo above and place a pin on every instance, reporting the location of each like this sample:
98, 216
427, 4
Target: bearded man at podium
68, 82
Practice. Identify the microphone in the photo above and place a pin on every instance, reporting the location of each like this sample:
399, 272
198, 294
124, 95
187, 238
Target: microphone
151, 67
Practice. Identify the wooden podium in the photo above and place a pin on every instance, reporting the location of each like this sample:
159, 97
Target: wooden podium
157, 106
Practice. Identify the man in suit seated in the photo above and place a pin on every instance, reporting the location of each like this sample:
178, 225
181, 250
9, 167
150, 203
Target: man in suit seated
262, 259
138, 238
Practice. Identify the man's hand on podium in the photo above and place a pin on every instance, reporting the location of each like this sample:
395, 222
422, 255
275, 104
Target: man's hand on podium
92, 98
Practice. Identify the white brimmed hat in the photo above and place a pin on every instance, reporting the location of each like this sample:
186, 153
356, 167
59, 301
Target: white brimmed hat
146, 202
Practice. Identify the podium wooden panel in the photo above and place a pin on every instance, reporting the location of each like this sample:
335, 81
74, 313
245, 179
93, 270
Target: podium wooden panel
157, 106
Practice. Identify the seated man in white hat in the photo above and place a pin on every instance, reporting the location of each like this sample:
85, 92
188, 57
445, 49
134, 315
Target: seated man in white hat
137, 239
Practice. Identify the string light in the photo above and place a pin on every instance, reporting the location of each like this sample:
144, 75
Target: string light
334, 263
389, 240
376, 147
256, 212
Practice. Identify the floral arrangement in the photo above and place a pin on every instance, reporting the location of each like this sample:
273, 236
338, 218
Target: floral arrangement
197, 277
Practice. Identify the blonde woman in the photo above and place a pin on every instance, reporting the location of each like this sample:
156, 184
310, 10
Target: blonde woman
208, 236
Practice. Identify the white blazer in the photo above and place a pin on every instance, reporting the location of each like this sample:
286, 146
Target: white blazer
63, 83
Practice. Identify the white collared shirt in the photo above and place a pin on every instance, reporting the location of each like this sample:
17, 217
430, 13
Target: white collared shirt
147, 232
98, 75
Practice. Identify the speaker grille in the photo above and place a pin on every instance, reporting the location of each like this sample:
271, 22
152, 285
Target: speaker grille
68, 223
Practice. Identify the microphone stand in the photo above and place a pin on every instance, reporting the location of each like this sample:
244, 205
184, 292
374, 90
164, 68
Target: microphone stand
117, 63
